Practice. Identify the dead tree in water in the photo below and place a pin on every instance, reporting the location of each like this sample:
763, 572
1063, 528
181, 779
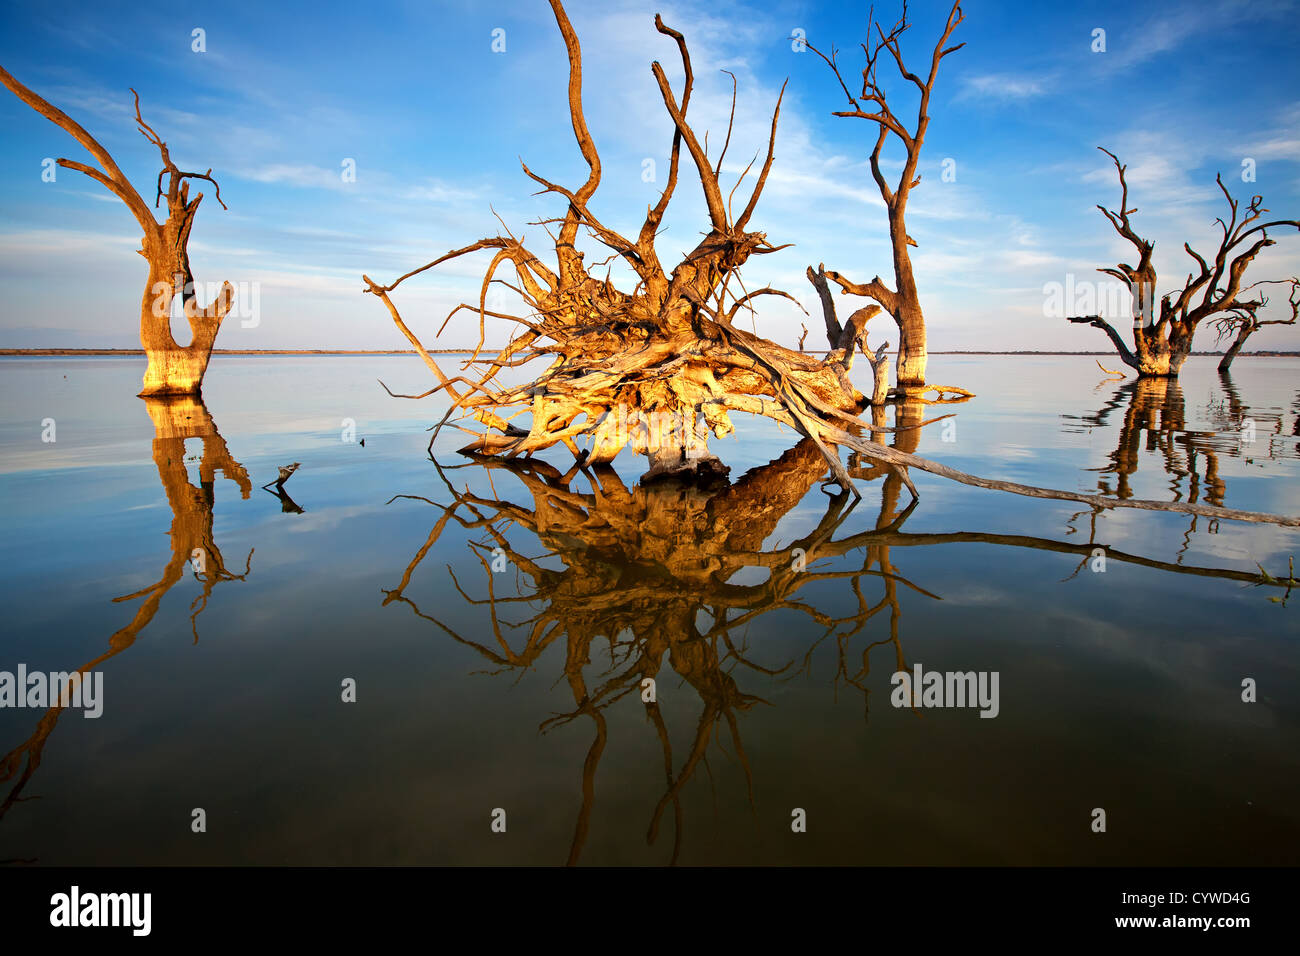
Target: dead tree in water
855, 333
660, 366
1243, 319
903, 301
657, 368
1162, 342
173, 369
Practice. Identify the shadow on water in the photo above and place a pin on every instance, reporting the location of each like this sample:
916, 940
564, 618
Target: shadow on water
651, 571
192, 547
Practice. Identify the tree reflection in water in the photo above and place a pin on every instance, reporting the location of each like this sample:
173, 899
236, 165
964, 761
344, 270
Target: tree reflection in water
650, 570
1155, 420
192, 546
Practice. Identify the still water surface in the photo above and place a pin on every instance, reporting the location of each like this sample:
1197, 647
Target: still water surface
522, 689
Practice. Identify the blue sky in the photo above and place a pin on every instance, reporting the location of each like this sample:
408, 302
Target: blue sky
436, 123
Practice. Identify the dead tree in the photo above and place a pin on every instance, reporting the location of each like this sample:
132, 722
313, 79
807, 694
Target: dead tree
1161, 343
903, 301
172, 369
1243, 319
853, 333
657, 367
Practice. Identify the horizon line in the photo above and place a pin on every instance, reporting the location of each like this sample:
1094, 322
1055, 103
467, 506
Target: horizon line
19, 352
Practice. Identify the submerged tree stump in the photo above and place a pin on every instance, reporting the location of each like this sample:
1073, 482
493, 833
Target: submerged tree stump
173, 369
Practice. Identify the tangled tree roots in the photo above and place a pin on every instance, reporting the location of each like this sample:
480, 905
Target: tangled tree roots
660, 367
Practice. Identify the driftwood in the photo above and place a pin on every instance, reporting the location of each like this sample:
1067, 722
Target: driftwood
173, 369
1162, 338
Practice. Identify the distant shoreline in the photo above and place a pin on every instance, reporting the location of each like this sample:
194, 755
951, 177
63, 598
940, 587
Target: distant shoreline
140, 352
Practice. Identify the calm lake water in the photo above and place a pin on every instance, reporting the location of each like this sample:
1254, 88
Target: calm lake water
520, 690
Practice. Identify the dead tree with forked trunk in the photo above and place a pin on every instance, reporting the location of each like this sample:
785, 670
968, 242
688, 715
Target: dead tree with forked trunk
903, 301
1243, 319
1162, 342
854, 332
173, 369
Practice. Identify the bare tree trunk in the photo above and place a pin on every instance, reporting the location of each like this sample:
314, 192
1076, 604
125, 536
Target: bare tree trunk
1163, 358
912, 353
903, 302
175, 369
909, 369
1243, 333
1244, 318
880, 376
172, 369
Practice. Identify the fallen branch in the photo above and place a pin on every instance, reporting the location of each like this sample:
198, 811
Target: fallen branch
894, 457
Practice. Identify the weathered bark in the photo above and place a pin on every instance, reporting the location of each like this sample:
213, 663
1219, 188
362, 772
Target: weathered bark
656, 368
175, 369
1162, 336
172, 369
1244, 331
1245, 321
903, 301
842, 340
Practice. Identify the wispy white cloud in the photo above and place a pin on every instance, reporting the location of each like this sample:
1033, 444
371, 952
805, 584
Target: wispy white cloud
1006, 86
301, 175
434, 190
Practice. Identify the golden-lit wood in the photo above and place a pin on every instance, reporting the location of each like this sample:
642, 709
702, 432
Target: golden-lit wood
172, 369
